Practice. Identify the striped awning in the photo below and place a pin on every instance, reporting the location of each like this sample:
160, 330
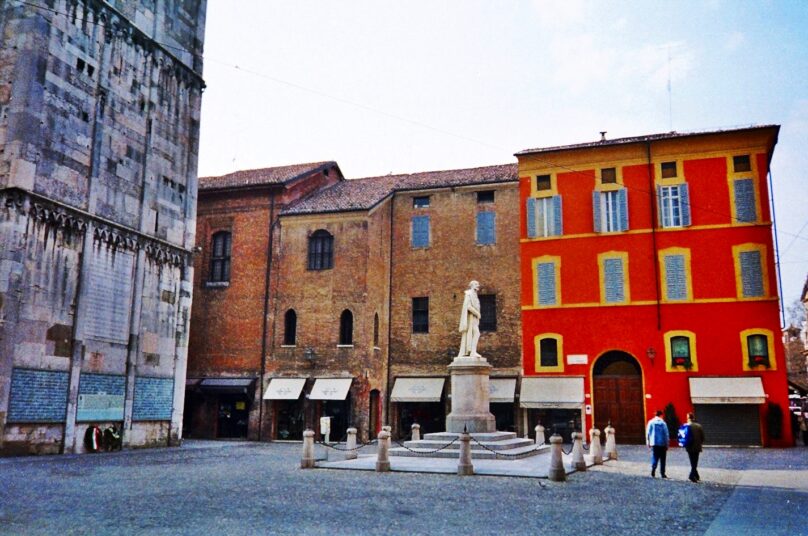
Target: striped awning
284, 388
330, 388
417, 389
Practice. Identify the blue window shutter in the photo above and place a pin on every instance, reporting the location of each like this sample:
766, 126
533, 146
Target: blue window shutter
420, 231
684, 200
622, 196
751, 274
531, 217
596, 210
486, 233
558, 226
613, 281
546, 283
675, 277
745, 209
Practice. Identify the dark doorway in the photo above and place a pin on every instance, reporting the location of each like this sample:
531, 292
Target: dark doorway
618, 396
730, 424
430, 415
374, 415
555, 421
503, 413
234, 411
290, 419
340, 413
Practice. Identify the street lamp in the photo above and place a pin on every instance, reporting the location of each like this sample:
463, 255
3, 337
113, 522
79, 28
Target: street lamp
651, 353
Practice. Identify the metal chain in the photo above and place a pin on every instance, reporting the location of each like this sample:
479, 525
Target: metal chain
570, 451
419, 452
335, 447
498, 453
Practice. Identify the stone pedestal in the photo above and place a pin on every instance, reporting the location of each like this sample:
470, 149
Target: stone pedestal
470, 409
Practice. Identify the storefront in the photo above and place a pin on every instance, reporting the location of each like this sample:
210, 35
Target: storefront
288, 416
729, 409
218, 407
331, 398
421, 401
501, 395
557, 403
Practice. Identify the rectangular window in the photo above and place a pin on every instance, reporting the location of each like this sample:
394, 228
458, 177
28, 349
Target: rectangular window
543, 182
488, 312
546, 283
486, 196
610, 210
674, 205
420, 202
680, 351
745, 205
486, 228
420, 315
548, 352
613, 281
751, 274
420, 231
669, 170
608, 176
741, 163
544, 217
758, 348
675, 277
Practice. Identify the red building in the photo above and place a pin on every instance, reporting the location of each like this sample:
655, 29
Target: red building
648, 281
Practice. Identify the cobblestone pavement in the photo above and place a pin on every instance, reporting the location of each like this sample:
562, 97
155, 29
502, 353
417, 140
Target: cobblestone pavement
240, 488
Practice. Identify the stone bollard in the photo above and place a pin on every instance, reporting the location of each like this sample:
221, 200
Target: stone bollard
351, 453
578, 462
611, 443
383, 458
594, 446
307, 461
416, 432
464, 466
556, 473
387, 428
540, 437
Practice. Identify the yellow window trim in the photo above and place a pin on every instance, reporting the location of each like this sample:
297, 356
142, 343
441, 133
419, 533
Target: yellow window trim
602, 257
556, 260
537, 351
553, 191
643, 303
600, 187
732, 176
764, 271
663, 274
669, 367
670, 181
643, 231
745, 349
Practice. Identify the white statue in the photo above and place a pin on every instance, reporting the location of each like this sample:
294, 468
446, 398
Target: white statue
470, 322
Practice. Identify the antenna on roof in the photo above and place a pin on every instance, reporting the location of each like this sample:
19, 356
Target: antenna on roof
670, 98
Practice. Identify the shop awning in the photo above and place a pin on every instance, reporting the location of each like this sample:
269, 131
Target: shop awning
330, 388
284, 388
501, 389
226, 385
563, 393
727, 390
417, 390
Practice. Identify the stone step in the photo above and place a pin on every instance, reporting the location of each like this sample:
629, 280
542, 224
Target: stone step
431, 444
479, 436
476, 453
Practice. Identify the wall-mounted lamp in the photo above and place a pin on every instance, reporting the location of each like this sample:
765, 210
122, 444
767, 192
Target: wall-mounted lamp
651, 353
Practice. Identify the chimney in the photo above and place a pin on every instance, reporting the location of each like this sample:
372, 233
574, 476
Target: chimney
603, 135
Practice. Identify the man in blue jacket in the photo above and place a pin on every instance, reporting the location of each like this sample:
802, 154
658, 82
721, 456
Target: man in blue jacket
657, 438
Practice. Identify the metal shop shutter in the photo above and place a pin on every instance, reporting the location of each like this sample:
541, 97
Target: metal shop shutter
730, 424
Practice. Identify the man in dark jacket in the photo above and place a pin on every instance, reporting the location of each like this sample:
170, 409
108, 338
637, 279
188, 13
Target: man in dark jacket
694, 448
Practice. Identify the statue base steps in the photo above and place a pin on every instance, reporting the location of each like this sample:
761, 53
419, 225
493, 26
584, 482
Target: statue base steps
501, 442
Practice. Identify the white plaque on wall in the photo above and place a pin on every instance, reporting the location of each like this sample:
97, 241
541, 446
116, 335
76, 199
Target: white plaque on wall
577, 359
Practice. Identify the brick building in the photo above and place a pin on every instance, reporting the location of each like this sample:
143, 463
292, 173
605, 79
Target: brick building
648, 280
99, 129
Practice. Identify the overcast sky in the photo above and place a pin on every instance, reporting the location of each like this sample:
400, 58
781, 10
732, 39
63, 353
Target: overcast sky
397, 87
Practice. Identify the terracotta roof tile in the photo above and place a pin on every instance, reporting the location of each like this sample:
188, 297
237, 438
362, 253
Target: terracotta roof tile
263, 176
364, 194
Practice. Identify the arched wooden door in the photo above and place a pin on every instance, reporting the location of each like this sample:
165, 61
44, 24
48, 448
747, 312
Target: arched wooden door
618, 395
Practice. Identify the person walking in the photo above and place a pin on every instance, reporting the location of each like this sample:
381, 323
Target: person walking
693, 446
657, 438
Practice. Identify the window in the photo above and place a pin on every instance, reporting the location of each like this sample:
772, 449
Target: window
668, 170
486, 228
613, 277
743, 192
608, 176
544, 216
546, 281
376, 330
420, 202
610, 210
741, 163
488, 312
420, 315
758, 349
544, 182
290, 328
751, 276
486, 196
220, 258
675, 274
420, 231
321, 250
346, 328
674, 205
680, 351
549, 353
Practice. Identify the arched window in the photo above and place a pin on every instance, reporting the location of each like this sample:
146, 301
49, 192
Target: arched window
321, 250
220, 257
290, 328
346, 327
376, 330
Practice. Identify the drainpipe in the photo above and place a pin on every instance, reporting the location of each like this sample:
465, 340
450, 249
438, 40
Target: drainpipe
777, 252
264, 321
652, 197
386, 408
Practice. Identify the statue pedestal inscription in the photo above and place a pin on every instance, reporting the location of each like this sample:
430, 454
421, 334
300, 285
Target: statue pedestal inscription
470, 410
